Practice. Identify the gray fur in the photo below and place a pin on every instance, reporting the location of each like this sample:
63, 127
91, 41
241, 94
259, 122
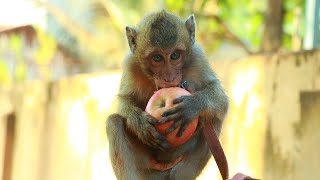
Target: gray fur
163, 33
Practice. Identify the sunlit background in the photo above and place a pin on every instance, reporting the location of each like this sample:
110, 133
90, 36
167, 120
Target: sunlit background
60, 67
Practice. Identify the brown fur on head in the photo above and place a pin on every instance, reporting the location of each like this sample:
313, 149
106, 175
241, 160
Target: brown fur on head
160, 44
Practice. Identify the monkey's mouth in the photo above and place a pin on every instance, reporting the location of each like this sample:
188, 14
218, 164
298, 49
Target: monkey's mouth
163, 84
167, 85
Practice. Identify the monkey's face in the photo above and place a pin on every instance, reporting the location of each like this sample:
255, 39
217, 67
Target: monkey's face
165, 65
160, 45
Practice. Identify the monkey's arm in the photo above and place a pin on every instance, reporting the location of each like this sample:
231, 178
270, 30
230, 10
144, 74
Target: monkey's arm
209, 93
141, 124
208, 100
213, 102
138, 121
212, 99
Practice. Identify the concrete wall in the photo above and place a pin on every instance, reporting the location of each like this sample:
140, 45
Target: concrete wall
271, 131
293, 114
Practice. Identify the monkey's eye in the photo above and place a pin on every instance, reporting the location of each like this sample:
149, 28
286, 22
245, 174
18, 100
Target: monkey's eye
175, 55
157, 57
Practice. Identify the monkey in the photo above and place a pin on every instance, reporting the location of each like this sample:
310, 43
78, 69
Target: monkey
163, 53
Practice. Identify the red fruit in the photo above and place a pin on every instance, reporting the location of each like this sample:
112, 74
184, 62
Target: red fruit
161, 101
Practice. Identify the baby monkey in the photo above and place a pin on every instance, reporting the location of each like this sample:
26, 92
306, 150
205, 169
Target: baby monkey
163, 53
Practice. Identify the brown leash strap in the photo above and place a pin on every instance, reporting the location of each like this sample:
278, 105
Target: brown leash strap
218, 154
216, 149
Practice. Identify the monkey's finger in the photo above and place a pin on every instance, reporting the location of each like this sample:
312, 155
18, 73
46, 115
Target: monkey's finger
169, 118
152, 141
161, 144
157, 145
164, 146
151, 120
157, 135
147, 140
183, 127
179, 99
160, 148
171, 111
174, 126
151, 144
159, 141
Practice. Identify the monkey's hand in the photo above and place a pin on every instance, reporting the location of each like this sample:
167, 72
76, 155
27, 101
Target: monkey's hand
149, 135
185, 110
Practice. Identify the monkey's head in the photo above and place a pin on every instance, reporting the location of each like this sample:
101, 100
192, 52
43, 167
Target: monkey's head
161, 44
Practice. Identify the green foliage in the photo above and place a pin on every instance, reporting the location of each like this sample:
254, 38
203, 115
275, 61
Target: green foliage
20, 71
175, 5
79, 26
5, 78
294, 21
16, 55
244, 18
15, 44
47, 48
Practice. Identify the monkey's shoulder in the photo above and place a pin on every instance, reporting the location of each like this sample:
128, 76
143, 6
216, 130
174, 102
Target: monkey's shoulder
200, 71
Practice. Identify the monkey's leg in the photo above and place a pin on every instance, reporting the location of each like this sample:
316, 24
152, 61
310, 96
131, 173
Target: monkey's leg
194, 163
121, 155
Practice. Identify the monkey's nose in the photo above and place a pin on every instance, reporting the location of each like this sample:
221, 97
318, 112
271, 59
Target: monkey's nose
169, 79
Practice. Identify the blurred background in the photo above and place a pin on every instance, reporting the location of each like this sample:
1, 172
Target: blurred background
60, 66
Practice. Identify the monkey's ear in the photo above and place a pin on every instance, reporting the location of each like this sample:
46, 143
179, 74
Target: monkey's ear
191, 27
131, 36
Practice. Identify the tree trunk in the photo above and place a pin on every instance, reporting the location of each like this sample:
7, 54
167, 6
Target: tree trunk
273, 26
